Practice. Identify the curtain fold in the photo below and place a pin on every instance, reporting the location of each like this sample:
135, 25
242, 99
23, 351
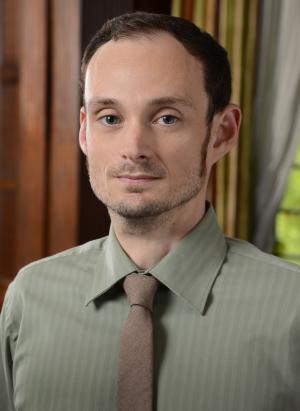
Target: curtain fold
277, 113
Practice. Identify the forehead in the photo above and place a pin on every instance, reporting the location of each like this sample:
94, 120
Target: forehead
151, 65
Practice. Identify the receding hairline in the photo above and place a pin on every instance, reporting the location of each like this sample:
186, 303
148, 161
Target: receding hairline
146, 33
141, 36
172, 98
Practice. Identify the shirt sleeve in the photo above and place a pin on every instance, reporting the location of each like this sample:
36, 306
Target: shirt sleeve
6, 356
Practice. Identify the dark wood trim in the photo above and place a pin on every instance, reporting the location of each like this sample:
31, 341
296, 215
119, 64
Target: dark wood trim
8, 139
7, 184
187, 9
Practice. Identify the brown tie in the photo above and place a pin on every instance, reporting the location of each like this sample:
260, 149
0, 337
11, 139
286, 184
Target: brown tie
135, 376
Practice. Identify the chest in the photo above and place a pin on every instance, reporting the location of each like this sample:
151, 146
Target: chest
231, 358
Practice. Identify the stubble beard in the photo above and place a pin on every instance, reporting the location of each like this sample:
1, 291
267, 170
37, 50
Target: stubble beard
154, 213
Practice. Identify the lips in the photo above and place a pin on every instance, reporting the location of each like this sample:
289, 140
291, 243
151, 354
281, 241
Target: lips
137, 177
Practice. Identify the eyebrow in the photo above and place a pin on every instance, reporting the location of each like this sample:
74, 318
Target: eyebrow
97, 101
159, 101
171, 101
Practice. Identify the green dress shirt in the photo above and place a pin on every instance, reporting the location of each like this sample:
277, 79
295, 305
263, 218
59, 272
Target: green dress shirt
226, 324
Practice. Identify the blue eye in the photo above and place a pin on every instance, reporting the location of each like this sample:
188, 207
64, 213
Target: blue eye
167, 120
110, 120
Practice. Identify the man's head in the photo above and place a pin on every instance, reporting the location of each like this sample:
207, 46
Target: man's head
213, 57
156, 115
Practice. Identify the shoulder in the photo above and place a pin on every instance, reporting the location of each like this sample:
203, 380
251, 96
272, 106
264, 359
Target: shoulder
71, 269
260, 272
75, 258
63, 276
78, 253
263, 285
247, 253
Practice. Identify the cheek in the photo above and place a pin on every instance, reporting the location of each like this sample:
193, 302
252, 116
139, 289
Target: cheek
185, 158
99, 152
96, 161
101, 161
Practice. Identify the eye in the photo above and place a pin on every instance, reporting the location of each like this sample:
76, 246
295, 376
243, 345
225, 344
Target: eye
110, 120
167, 120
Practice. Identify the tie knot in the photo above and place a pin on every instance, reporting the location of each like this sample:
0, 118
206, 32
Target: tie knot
140, 289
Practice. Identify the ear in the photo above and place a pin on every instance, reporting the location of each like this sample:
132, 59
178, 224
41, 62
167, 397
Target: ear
225, 132
82, 131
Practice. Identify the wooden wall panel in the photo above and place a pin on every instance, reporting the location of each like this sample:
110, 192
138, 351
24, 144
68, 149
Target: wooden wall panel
64, 121
30, 213
8, 142
8, 138
8, 156
23, 60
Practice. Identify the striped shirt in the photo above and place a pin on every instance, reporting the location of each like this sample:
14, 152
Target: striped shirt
226, 328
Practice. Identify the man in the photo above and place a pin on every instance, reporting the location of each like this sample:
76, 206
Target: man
156, 117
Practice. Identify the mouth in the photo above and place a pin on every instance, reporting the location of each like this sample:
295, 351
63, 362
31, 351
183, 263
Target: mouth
137, 178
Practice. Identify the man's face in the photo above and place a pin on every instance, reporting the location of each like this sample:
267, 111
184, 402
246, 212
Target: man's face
144, 127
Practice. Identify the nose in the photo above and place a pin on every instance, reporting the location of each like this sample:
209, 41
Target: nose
137, 142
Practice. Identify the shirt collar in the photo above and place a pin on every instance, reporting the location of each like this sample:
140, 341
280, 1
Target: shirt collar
189, 270
111, 266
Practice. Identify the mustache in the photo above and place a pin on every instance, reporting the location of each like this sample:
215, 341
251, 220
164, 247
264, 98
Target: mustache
147, 167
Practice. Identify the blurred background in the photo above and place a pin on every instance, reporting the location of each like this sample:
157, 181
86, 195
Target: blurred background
46, 204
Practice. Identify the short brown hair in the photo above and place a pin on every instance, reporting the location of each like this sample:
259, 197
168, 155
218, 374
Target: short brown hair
217, 75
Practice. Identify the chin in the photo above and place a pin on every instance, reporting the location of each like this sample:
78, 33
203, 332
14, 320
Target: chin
129, 211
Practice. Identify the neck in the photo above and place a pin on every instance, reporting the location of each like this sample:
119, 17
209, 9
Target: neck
147, 240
